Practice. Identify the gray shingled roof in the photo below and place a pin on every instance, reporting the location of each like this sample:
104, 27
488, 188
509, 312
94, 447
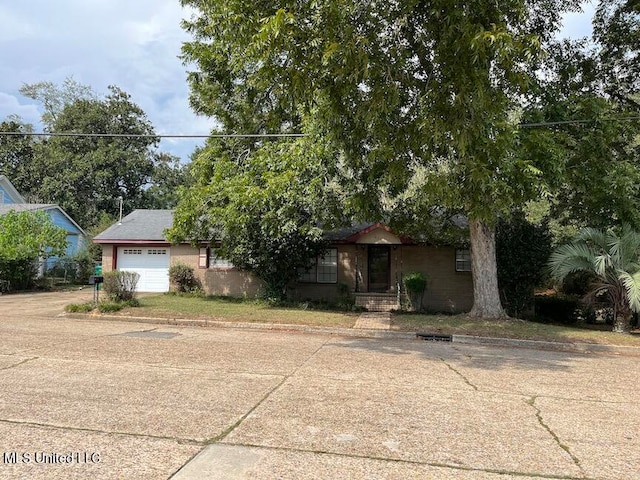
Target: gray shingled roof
151, 224
345, 232
139, 225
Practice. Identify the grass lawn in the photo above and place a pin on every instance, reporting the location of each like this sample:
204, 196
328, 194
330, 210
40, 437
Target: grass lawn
512, 328
235, 310
239, 310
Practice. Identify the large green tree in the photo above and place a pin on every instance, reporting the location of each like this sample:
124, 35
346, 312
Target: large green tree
584, 131
263, 213
16, 152
26, 237
401, 87
86, 175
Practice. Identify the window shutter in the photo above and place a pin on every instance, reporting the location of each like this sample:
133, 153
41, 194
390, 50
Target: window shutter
203, 258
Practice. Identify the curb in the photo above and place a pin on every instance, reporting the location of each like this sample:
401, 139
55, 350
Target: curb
369, 333
284, 327
543, 345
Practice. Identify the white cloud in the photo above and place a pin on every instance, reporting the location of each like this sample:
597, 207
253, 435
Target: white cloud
13, 26
10, 105
132, 44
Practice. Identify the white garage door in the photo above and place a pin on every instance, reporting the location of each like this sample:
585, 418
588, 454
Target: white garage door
151, 263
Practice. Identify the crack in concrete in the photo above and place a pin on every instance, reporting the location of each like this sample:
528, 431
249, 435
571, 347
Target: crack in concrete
413, 462
466, 380
184, 441
532, 401
19, 363
231, 428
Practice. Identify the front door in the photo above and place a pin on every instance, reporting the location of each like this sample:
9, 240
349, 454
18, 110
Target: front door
379, 268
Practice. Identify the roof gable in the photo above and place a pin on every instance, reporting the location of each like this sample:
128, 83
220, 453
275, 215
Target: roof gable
378, 234
59, 217
8, 193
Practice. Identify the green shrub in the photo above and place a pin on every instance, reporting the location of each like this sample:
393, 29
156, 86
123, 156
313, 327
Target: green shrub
75, 269
559, 309
111, 306
184, 279
18, 274
522, 251
120, 286
346, 301
415, 284
107, 307
79, 307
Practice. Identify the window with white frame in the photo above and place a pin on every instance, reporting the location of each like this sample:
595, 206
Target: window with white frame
208, 259
218, 262
324, 269
463, 260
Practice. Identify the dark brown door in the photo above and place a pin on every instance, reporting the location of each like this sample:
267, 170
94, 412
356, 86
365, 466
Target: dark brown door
379, 268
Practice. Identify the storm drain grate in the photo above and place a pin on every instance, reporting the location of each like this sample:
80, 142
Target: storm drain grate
150, 334
434, 337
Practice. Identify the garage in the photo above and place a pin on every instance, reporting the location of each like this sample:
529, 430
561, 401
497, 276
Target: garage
151, 263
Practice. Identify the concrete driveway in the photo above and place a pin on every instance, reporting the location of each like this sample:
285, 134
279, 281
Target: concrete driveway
103, 399
43, 304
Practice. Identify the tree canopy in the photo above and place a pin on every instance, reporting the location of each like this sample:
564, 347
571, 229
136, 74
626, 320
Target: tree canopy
400, 88
26, 237
588, 139
29, 235
264, 214
87, 175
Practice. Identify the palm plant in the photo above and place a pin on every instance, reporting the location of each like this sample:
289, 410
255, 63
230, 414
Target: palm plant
613, 260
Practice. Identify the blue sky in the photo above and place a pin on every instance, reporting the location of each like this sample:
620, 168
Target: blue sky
133, 44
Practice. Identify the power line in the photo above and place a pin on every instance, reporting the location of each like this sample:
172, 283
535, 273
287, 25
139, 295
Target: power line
274, 135
575, 122
140, 135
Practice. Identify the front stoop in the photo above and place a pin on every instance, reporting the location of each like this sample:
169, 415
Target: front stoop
377, 302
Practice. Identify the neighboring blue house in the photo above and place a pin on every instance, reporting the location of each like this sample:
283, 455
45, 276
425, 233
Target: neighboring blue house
10, 199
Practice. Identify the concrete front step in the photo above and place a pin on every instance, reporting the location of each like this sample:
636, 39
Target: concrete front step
377, 302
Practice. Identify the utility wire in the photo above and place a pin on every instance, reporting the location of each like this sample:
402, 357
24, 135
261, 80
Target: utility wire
575, 122
140, 135
273, 135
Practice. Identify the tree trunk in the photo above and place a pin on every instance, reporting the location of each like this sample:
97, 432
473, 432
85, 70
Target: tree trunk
622, 322
486, 297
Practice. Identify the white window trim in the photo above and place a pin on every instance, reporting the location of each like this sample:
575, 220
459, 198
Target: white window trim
208, 260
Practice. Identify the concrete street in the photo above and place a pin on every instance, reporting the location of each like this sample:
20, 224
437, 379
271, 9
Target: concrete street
108, 400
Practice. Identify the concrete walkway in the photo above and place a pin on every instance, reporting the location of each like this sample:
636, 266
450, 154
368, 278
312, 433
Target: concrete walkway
374, 321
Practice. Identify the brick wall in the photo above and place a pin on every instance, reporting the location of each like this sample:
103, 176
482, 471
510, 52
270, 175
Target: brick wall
447, 290
217, 281
107, 257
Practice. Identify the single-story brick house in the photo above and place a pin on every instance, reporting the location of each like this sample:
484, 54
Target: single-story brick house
370, 259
